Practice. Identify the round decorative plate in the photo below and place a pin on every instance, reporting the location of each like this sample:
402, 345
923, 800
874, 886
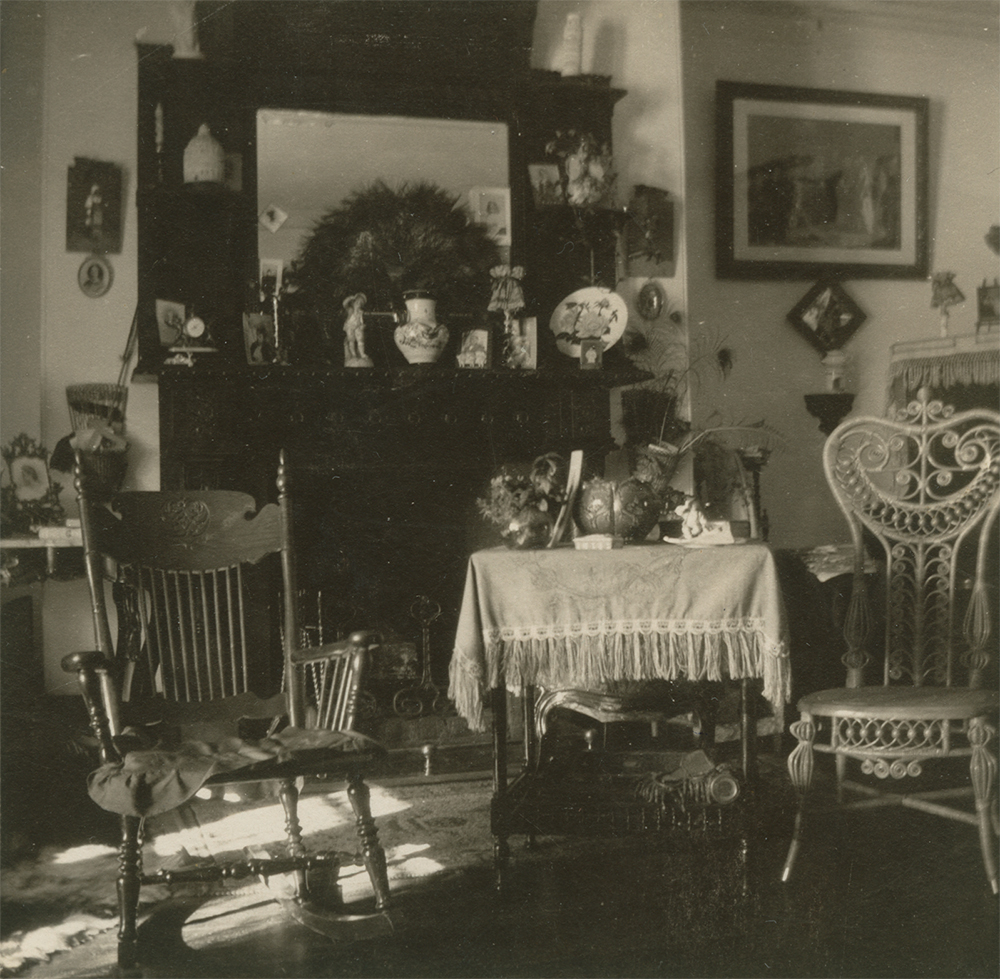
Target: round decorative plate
587, 313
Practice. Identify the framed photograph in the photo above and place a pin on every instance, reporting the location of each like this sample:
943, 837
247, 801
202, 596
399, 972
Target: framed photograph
271, 270
272, 217
591, 353
170, 318
827, 316
815, 183
258, 338
522, 350
490, 207
988, 304
475, 350
94, 207
94, 276
546, 184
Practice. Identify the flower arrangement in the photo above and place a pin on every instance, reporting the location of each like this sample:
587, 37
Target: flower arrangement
585, 168
525, 505
29, 499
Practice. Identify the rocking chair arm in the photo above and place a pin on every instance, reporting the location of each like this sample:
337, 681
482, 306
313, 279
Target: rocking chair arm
100, 695
312, 654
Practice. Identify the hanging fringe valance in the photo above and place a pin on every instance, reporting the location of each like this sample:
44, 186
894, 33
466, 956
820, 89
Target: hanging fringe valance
948, 370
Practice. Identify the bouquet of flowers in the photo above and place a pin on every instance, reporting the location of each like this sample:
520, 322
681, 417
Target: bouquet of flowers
584, 166
525, 505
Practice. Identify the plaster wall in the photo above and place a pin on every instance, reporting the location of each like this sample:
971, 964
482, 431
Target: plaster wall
950, 56
22, 27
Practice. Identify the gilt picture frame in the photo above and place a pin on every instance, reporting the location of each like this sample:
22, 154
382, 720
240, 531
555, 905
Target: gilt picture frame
818, 183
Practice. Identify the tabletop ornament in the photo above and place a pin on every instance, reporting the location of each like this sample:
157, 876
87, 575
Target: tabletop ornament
507, 297
944, 295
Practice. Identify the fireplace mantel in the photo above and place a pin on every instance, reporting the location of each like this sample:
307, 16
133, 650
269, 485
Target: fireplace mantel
386, 466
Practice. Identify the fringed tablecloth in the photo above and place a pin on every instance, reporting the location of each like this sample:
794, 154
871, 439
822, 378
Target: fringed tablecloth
567, 618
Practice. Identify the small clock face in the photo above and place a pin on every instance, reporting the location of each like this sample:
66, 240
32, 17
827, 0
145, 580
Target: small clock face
650, 301
194, 327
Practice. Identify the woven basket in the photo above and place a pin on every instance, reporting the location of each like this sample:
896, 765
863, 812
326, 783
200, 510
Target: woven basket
104, 469
93, 405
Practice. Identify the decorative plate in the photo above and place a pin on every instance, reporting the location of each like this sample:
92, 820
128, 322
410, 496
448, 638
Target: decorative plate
590, 312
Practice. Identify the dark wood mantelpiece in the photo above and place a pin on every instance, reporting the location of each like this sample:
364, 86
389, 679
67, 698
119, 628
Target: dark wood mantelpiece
386, 466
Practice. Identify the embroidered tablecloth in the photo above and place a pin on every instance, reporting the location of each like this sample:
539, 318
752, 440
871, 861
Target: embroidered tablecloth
567, 618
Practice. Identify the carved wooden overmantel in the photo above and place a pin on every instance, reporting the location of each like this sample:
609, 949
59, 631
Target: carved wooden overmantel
386, 463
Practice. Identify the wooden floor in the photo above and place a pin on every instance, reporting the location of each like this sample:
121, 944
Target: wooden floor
888, 893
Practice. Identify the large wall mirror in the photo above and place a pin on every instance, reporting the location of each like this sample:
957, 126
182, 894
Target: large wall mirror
308, 162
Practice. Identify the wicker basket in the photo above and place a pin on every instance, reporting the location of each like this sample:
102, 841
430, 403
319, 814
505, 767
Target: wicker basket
93, 405
104, 469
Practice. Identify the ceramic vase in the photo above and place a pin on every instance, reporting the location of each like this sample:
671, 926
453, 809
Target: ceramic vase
420, 339
530, 528
628, 509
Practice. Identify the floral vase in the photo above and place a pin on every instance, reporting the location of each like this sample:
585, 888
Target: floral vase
628, 509
530, 528
421, 339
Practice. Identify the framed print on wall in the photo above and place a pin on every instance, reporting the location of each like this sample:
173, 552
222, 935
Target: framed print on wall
816, 183
490, 207
827, 316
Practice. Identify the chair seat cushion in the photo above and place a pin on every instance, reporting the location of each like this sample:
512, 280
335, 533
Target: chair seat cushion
152, 779
904, 703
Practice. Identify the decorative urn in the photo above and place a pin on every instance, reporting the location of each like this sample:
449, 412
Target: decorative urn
420, 338
628, 509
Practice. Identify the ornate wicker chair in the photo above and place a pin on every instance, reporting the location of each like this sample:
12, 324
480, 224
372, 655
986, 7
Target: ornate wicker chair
925, 484
200, 654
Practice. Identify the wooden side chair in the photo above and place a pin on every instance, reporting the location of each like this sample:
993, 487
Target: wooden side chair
207, 684
925, 484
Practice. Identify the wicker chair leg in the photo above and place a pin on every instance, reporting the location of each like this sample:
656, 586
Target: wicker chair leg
983, 771
128, 886
800, 768
374, 856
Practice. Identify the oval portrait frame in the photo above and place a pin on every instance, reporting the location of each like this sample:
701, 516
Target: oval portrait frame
95, 276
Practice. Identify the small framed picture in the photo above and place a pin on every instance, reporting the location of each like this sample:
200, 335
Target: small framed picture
546, 184
591, 353
475, 350
490, 207
827, 316
94, 276
522, 344
258, 338
272, 217
170, 318
94, 207
988, 304
271, 270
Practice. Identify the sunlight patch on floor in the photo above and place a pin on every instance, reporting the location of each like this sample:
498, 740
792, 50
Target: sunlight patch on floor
262, 825
77, 854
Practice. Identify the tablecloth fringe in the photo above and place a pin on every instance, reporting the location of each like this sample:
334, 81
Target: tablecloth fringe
586, 661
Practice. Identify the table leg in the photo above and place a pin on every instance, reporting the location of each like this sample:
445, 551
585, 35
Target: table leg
748, 732
498, 809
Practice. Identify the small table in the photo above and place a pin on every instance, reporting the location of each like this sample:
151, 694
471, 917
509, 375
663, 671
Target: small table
577, 618
67, 537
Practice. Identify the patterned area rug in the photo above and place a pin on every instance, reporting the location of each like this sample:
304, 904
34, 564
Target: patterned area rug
64, 897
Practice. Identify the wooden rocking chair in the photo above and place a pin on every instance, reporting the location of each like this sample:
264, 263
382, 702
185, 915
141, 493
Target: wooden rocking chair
194, 576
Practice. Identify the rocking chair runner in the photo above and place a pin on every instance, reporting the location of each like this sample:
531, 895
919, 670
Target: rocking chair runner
926, 484
195, 571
